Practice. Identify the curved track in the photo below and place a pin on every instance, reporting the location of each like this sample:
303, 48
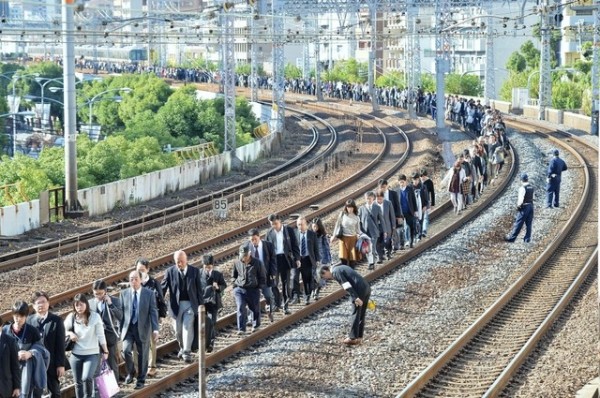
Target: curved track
487, 355
323, 144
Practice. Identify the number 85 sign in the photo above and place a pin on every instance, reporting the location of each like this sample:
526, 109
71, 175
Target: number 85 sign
220, 208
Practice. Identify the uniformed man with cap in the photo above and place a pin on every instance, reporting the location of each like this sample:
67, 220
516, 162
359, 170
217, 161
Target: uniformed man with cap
524, 211
249, 277
555, 169
360, 292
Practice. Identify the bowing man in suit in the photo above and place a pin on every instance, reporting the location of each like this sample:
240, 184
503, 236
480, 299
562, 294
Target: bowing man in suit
10, 370
371, 220
309, 257
287, 255
186, 293
140, 324
111, 313
52, 330
215, 286
265, 252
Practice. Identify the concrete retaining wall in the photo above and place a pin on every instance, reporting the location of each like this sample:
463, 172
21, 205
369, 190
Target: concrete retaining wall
15, 220
22, 217
577, 121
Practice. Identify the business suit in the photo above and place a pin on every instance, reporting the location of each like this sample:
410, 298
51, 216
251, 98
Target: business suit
371, 220
408, 208
266, 254
186, 294
10, 370
212, 301
286, 256
308, 261
140, 332
52, 330
388, 226
107, 313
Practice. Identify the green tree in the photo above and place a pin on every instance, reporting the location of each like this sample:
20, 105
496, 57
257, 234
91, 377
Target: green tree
531, 55
179, 116
463, 84
566, 95
44, 71
243, 69
516, 62
391, 79
292, 72
26, 173
427, 82
145, 155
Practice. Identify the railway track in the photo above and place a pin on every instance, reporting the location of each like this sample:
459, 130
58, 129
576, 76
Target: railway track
228, 344
488, 354
323, 144
395, 149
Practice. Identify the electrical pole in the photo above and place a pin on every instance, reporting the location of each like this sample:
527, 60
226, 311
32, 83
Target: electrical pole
372, 54
545, 88
278, 8
70, 134
442, 59
413, 58
228, 76
318, 61
490, 79
253, 53
596, 72
306, 51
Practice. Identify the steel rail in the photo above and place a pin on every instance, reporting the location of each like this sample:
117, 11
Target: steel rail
218, 356
51, 250
444, 361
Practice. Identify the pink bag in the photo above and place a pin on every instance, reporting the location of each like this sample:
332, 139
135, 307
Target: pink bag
107, 382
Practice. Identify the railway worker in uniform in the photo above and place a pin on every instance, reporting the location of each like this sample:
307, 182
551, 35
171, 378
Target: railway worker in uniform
360, 292
265, 252
10, 371
141, 265
371, 223
140, 324
215, 286
283, 239
388, 225
524, 211
249, 277
347, 230
427, 183
408, 207
110, 311
309, 256
186, 293
555, 169
52, 330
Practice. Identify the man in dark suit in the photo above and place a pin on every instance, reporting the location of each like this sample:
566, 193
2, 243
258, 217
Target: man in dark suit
186, 293
392, 196
110, 311
371, 220
388, 224
309, 257
10, 370
287, 254
265, 252
215, 286
408, 206
52, 330
140, 324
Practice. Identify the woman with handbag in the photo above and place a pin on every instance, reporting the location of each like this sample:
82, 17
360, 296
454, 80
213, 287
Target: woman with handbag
347, 230
86, 330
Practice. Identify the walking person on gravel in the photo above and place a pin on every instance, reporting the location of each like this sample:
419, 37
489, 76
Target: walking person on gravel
452, 182
347, 230
213, 301
324, 252
360, 292
555, 169
524, 211
249, 277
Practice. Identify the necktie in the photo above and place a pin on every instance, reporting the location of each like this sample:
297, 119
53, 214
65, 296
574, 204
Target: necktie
41, 324
134, 314
303, 247
256, 254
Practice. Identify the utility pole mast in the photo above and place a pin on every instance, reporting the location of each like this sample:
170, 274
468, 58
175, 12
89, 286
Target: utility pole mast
228, 75
413, 58
489, 90
253, 52
372, 53
596, 72
278, 65
318, 61
442, 58
545, 88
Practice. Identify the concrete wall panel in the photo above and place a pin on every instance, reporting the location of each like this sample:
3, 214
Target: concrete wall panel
19, 218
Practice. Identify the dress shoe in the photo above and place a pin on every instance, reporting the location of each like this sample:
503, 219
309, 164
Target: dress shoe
241, 332
508, 239
210, 348
380, 261
294, 300
138, 386
129, 379
270, 315
349, 341
151, 372
371, 267
254, 329
180, 354
187, 359
287, 311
